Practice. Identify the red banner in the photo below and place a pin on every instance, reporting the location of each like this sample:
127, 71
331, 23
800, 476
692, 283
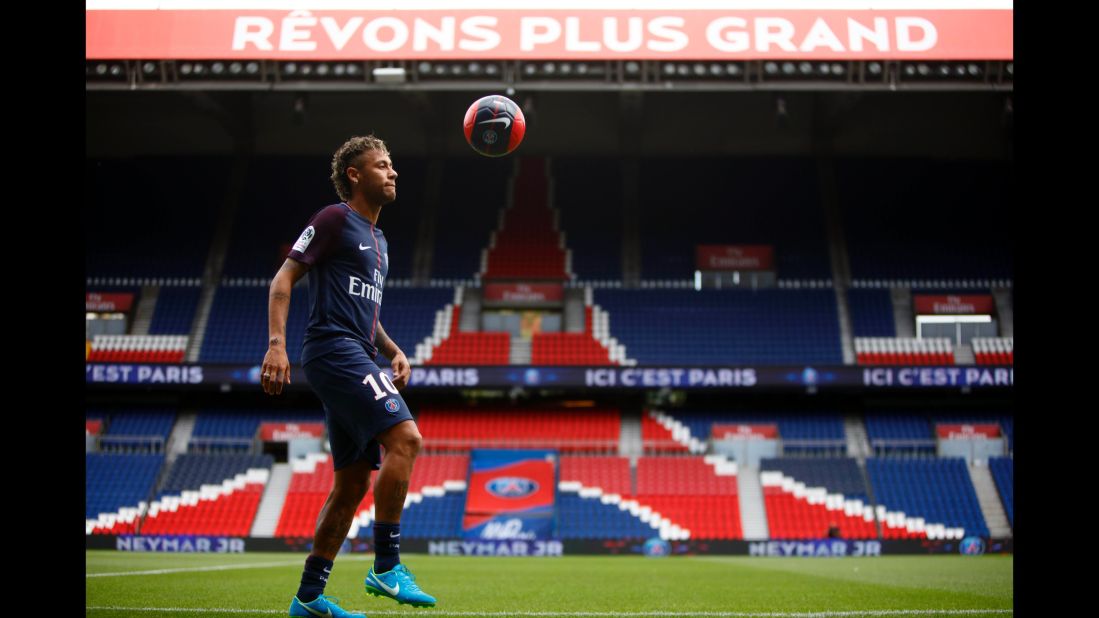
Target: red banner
724, 431
735, 257
953, 305
94, 301
283, 432
961, 432
577, 34
524, 292
92, 427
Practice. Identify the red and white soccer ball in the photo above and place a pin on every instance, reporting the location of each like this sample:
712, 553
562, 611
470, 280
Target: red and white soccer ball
494, 125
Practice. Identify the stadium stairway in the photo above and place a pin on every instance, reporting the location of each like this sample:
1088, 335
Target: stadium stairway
903, 320
528, 243
519, 352
963, 354
1004, 311
988, 497
146, 307
181, 435
629, 441
270, 506
858, 444
753, 514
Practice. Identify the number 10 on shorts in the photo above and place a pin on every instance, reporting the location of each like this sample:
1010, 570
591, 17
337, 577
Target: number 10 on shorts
387, 382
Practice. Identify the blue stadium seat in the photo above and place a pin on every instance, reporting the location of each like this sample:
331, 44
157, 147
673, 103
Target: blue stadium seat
837, 475
938, 490
588, 518
113, 481
764, 201
127, 195
716, 327
473, 190
953, 206
175, 310
871, 312
588, 193
192, 471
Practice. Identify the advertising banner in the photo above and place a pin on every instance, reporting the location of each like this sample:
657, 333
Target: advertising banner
107, 301
607, 377
523, 292
850, 31
284, 432
926, 304
724, 431
734, 257
948, 431
511, 495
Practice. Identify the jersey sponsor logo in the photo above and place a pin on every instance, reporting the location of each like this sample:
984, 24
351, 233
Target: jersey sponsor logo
303, 241
360, 288
392, 406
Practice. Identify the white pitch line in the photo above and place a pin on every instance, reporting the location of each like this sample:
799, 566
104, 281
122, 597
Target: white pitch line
823, 614
225, 567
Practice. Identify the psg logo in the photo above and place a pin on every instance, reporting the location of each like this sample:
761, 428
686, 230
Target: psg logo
511, 487
972, 546
656, 548
489, 137
392, 406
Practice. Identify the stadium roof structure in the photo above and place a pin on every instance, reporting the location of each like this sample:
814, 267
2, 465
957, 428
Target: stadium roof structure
348, 45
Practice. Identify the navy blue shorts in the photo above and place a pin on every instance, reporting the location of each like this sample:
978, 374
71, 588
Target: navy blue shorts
359, 402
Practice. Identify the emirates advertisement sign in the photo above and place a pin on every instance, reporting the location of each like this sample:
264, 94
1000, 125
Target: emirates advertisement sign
966, 432
950, 304
524, 292
104, 301
283, 432
725, 431
735, 257
597, 30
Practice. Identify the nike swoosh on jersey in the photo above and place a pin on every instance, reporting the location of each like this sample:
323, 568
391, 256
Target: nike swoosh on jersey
362, 248
506, 121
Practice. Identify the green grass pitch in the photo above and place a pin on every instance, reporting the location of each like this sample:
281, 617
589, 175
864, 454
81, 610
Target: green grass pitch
146, 585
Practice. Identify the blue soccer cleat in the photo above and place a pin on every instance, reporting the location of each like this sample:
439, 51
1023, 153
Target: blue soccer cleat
322, 606
398, 584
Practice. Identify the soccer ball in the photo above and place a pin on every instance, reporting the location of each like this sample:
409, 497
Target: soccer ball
494, 125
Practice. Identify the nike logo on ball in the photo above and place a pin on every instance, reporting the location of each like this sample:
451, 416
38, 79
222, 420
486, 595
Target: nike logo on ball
362, 248
506, 121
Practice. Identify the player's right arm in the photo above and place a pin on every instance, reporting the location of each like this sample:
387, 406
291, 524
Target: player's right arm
275, 370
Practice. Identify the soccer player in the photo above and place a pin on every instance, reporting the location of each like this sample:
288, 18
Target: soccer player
347, 260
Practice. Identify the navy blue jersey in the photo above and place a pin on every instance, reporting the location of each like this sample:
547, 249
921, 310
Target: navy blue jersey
350, 260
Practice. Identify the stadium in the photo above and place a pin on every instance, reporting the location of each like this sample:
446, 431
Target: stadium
729, 333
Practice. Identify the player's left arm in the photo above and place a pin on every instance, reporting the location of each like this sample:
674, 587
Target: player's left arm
401, 369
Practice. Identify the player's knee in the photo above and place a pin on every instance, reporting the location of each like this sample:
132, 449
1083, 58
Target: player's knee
411, 441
